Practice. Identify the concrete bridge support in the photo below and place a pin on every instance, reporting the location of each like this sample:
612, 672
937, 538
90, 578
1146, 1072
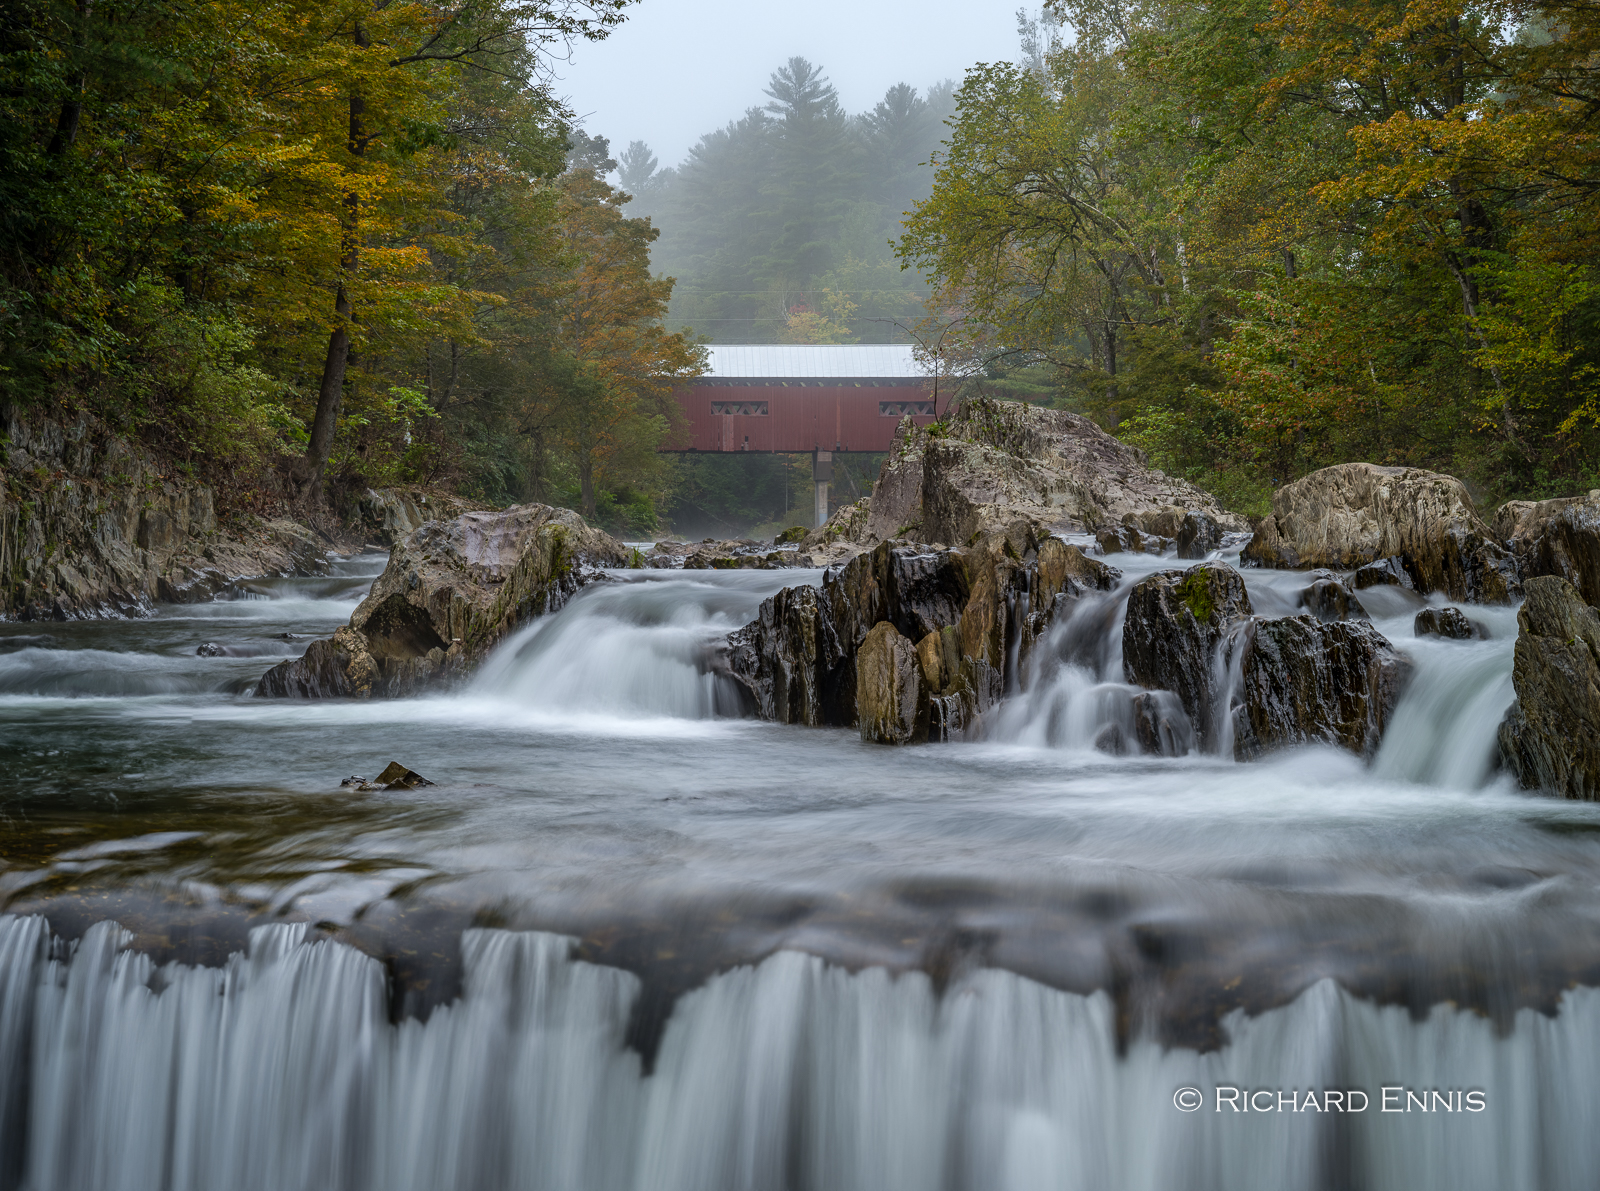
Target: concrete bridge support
822, 476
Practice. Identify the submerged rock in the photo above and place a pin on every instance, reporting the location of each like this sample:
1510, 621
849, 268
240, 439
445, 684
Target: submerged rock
1556, 537
1303, 682
1161, 726
891, 691
451, 591
1357, 513
1551, 737
211, 649
1445, 622
1171, 636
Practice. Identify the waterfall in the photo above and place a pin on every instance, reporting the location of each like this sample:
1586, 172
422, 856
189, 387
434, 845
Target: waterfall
281, 1071
637, 648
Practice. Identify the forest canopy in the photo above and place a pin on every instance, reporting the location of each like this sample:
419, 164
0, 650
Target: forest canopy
287, 239
1258, 237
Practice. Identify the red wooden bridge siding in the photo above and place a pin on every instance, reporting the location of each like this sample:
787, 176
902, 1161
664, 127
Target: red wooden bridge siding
771, 398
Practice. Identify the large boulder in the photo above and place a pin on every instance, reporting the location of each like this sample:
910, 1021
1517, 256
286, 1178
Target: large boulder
974, 616
1172, 638
452, 590
891, 691
1551, 737
992, 463
1556, 537
1355, 514
796, 660
1305, 682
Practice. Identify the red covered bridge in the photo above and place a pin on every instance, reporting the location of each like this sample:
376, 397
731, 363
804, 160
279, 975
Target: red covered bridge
811, 399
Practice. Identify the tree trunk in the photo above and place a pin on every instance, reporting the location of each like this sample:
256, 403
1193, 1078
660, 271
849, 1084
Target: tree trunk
72, 109
330, 395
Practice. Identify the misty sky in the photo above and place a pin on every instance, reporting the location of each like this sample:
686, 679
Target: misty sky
680, 68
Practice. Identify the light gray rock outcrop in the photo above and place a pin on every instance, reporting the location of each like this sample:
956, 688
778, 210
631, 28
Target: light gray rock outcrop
1355, 514
1556, 537
993, 463
451, 591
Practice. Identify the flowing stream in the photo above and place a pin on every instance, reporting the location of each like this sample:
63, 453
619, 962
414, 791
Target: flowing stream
631, 941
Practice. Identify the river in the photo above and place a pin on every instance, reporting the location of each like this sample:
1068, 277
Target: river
629, 941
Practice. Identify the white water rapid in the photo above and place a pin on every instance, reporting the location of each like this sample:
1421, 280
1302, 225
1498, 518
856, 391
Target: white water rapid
629, 941
280, 1072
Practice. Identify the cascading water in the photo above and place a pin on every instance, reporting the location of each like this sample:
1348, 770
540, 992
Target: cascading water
280, 1072
631, 941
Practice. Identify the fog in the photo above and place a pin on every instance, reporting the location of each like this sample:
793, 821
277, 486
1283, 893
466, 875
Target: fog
680, 68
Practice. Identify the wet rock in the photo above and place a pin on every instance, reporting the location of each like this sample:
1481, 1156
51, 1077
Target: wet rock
974, 615
1190, 533
1556, 537
1198, 536
1386, 572
450, 592
798, 669
1445, 622
1174, 627
794, 535
1551, 737
396, 776
713, 555
891, 691
1127, 539
1059, 577
790, 662
1111, 739
1303, 682
1161, 726
211, 650
1328, 599
1357, 513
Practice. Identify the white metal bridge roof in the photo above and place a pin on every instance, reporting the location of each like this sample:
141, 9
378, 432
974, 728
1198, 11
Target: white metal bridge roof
777, 360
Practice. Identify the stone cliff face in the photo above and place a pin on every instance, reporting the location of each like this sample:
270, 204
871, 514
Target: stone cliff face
451, 591
91, 526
